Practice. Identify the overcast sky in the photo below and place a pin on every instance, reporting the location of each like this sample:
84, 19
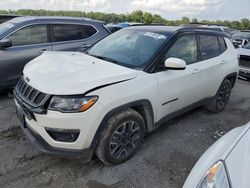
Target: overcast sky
169, 9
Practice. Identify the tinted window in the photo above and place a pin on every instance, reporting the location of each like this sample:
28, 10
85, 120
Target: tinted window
223, 46
184, 48
209, 47
5, 27
67, 32
35, 34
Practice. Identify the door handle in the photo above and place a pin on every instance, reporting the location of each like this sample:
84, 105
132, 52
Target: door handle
195, 71
223, 62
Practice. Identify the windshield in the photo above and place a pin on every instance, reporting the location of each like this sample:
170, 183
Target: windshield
5, 26
128, 47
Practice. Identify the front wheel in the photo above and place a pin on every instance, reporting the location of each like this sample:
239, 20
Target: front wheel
222, 97
121, 138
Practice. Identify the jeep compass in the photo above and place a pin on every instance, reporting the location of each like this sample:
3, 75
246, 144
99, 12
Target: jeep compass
105, 100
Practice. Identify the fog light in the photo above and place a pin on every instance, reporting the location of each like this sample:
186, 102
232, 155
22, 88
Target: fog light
63, 135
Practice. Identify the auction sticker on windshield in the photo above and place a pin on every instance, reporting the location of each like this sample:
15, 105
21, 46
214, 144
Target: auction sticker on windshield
155, 35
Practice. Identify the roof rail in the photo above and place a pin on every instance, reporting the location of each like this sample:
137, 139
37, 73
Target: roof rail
206, 24
202, 28
154, 24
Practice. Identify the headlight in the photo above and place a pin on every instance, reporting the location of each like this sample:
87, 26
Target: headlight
216, 177
69, 104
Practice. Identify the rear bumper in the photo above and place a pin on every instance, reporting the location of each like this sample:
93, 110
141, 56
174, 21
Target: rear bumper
244, 72
245, 57
42, 145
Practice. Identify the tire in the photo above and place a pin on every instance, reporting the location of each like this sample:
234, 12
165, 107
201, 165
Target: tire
222, 97
121, 137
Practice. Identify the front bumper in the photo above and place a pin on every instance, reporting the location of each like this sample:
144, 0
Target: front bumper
35, 125
42, 145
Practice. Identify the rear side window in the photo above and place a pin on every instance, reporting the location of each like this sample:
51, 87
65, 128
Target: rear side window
69, 32
185, 48
36, 34
209, 46
222, 43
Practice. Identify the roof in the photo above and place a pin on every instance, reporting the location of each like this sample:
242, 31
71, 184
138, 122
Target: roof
171, 29
30, 18
156, 28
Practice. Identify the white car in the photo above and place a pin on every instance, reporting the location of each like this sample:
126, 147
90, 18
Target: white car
238, 43
244, 54
105, 100
225, 164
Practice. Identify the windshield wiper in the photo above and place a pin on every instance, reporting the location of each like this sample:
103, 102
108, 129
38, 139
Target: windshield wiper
105, 58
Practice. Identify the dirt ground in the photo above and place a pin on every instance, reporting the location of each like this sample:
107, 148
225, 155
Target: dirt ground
164, 160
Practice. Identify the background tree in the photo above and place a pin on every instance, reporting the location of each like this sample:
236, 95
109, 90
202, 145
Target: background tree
136, 16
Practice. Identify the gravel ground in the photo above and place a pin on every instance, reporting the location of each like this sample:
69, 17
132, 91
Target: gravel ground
164, 160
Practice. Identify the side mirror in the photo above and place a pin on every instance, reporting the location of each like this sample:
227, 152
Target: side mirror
5, 43
175, 64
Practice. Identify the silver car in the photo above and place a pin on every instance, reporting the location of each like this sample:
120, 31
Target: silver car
24, 38
226, 164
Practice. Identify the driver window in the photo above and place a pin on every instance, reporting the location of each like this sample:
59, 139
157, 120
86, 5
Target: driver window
184, 48
36, 34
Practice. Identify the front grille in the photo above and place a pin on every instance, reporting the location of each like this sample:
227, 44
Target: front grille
30, 95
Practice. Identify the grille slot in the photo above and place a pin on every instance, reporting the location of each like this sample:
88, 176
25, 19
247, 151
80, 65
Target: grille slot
30, 95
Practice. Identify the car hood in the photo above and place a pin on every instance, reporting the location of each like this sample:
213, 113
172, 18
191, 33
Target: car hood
69, 73
238, 162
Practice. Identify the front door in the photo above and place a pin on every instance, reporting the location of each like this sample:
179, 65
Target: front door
27, 43
179, 88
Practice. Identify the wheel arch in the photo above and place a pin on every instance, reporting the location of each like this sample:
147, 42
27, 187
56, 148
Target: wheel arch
143, 107
232, 78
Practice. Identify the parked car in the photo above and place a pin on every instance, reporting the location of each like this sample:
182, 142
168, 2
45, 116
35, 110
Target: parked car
116, 27
238, 43
243, 38
225, 164
24, 38
244, 54
6, 17
106, 99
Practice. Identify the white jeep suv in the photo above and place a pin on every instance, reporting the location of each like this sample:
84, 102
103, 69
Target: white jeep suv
105, 100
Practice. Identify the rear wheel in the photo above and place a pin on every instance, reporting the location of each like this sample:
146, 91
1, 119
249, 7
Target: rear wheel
121, 138
222, 97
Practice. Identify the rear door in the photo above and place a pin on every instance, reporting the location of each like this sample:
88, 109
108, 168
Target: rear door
71, 37
27, 43
212, 60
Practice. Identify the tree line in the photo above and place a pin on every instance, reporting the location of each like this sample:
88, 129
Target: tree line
136, 16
